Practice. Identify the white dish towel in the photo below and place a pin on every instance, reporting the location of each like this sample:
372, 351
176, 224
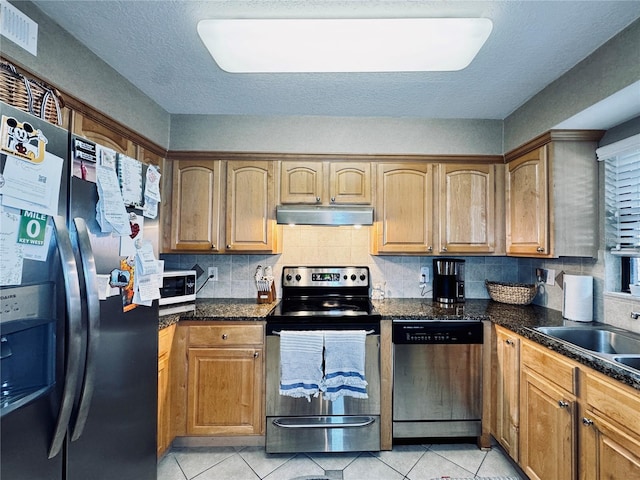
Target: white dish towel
344, 360
301, 363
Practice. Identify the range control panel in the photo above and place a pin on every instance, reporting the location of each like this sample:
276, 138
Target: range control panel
339, 277
437, 332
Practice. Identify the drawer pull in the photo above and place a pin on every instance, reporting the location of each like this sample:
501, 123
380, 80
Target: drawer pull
508, 341
587, 422
563, 404
225, 336
540, 249
256, 354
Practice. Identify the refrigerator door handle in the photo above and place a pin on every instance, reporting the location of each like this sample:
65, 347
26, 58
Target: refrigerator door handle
89, 272
74, 333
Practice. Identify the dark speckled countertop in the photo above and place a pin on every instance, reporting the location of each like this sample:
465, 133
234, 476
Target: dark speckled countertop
520, 319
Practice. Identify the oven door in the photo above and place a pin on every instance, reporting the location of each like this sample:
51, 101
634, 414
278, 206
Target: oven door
344, 425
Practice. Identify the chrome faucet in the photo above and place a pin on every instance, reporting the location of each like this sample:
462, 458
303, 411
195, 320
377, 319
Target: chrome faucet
635, 315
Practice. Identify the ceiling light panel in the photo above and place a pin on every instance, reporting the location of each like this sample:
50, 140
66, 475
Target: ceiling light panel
344, 45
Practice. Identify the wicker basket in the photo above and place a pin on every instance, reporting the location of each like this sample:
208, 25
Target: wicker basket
29, 95
512, 293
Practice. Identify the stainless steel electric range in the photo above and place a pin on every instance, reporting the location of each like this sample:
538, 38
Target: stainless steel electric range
323, 299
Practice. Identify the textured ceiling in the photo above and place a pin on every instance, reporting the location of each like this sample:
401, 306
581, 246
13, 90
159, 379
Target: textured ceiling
154, 44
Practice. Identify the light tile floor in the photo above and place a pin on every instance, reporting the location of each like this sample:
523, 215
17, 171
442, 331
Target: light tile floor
404, 462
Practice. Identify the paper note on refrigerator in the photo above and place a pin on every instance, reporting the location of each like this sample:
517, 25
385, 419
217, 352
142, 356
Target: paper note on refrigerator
11, 252
32, 186
111, 213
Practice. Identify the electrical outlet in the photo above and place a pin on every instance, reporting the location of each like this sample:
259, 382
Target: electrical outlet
546, 276
213, 274
424, 274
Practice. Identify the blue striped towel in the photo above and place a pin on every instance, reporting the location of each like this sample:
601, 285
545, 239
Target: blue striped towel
344, 359
300, 363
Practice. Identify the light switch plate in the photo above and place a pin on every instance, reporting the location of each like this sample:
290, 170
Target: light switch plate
424, 274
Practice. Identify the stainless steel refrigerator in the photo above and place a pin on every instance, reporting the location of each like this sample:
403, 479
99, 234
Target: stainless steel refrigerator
79, 374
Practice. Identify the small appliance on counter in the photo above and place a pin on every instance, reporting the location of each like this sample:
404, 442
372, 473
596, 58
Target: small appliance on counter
178, 292
448, 280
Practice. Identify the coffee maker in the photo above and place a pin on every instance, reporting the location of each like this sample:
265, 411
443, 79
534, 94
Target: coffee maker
448, 280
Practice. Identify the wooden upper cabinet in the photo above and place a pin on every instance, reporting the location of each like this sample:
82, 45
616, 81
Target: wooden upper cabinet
195, 221
527, 204
551, 196
301, 182
325, 183
466, 209
404, 216
99, 133
250, 207
350, 183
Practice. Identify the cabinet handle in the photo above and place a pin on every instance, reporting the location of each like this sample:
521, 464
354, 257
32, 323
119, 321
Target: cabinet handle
333, 199
429, 248
225, 336
317, 199
587, 422
563, 404
256, 354
228, 247
213, 246
508, 341
540, 249
444, 249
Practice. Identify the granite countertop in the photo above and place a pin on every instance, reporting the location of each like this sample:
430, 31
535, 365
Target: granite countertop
519, 319
217, 309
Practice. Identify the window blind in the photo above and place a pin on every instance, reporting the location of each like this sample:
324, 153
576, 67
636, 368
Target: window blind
622, 195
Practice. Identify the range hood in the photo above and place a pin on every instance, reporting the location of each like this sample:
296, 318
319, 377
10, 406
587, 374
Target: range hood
323, 215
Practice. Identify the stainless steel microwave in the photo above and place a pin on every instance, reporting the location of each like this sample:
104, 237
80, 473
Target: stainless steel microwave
178, 286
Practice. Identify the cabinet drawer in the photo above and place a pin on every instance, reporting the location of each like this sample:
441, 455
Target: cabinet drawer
550, 365
619, 403
225, 335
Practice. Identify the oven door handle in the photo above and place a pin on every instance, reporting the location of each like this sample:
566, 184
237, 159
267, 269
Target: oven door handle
323, 422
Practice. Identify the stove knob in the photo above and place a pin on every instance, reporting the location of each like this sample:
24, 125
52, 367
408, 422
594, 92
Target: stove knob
353, 277
289, 277
362, 277
298, 277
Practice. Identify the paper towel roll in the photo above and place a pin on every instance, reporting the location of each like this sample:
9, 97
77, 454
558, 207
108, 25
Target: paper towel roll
577, 303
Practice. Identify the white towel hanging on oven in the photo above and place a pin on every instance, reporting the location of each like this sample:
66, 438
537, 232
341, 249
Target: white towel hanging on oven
344, 360
301, 363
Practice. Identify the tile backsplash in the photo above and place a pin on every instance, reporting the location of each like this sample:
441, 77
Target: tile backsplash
400, 275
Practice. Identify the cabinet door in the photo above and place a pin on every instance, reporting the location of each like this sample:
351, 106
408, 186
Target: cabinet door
224, 391
467, 209
605, 451
404, 208
301, 182
195, 220
547, 430
507, 373
96, 132
250, 207
165, 340
164, 404
527, 205
350, 183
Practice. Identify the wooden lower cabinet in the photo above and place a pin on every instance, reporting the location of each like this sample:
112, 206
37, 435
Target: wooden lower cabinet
609, 431
547, 426
165, 432
507, 390
570, 422
225, 380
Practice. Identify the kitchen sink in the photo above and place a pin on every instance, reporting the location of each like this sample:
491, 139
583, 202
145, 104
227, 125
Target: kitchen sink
630, 361
608, 343
596, 339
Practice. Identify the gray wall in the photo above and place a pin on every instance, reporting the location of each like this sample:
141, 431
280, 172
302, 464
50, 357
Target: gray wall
611, 68
67, 64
